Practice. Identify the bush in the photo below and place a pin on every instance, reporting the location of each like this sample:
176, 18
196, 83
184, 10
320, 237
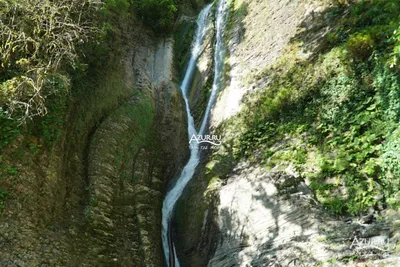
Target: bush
360, 46
395, 55
38, 39
159, 15
391, 168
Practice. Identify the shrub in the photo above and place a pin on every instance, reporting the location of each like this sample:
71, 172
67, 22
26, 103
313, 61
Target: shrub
391, 168
395, 55
360, 46
37, 39
159, 15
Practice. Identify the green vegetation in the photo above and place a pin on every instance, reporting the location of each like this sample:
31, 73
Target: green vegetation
37, 40
160, 15
42, 42
183, 37
54, 56
3, 197
8, 129
141, 112
335, 118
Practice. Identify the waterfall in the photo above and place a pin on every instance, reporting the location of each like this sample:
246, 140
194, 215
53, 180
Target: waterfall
203, 24
219, 60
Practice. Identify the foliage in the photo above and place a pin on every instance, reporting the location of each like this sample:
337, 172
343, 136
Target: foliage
396, 50
183, 37
51, 125
3, 197
157, 14
43, 39
117, 6
391, 168
37, 39
9, 128
335, 118
360, 46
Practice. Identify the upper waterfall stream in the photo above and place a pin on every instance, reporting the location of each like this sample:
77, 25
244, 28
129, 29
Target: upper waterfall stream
171, 198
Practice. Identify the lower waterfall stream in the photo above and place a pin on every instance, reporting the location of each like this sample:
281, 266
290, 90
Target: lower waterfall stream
172, 196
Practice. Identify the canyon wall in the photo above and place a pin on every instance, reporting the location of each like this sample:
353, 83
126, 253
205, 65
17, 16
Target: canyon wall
95, 198
242, 213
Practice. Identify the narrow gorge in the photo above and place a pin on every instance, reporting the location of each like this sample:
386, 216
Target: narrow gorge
173, 195
199, 133
203, 24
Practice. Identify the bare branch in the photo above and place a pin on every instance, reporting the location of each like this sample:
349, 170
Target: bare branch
39, 37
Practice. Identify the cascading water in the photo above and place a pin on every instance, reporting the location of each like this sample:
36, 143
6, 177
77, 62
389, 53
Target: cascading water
203, 24
219, 60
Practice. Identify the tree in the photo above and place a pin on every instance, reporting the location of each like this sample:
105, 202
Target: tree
38, 38
158, 14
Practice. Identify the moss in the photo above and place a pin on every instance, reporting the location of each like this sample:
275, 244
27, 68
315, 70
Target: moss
94, 95
140, 114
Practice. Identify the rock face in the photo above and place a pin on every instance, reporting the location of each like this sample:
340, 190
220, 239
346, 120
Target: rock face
259, 31
268, 218
238, 213
259, 212
95, 200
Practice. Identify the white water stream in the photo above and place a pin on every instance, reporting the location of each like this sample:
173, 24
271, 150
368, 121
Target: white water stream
203, 25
